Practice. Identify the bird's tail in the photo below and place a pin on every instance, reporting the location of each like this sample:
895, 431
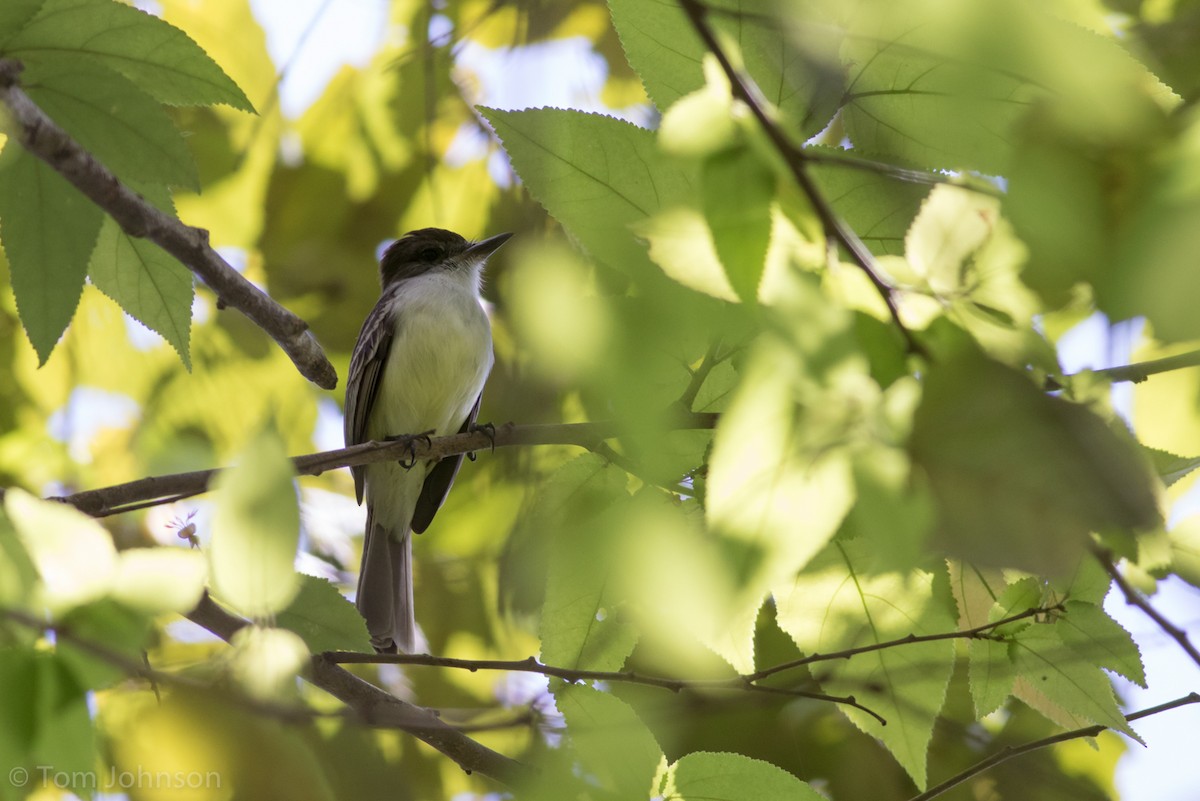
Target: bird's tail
385, 587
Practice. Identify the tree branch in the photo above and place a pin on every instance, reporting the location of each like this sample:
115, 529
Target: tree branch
377, 708
531, 665
1013, 751
42, 137
979, 632
835, 228
157, 490
1140, 371
1134, 598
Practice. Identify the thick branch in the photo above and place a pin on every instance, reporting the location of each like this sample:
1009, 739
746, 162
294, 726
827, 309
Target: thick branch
156, 490
835, 228
1134, 598
377, 708
531, 665
42, 137
1013, 751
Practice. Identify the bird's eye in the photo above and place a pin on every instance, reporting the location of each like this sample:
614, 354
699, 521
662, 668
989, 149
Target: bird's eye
429, 254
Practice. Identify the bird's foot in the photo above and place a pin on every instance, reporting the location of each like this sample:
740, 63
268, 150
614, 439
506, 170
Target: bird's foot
486, 428
410, 461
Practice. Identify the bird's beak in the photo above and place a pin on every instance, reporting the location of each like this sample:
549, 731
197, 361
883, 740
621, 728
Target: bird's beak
481, 250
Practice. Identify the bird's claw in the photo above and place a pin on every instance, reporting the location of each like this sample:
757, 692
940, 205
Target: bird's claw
409, 462
486, 428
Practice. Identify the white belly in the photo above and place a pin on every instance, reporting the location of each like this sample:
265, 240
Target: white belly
436, 368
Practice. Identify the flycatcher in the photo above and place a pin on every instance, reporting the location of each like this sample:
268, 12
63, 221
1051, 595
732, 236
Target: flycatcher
418, 367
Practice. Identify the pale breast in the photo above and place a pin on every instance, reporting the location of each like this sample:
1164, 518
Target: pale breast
438, 362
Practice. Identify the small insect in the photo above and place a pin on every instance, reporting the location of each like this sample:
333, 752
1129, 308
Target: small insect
185, 529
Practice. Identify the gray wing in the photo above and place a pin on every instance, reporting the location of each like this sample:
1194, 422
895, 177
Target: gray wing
366, 367
440, 479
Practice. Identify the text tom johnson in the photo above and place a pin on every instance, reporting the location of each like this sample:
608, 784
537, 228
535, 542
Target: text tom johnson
115, 778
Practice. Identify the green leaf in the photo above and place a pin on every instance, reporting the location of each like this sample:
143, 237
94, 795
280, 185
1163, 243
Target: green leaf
267, 661
1169, 467
583, 624
1021, 478
48, 228
1100, 640
794, 70
594, 174
18, 706
610, 741
119, 629
65, 737
737, 189
1056, 671
324, 618
1185, 550
780, 482
158, 580
154, 54
14, 14
709, 776
118, 123
74, 555
144, 280
825, 610
992, 674
879, 208
256, 529
18, 575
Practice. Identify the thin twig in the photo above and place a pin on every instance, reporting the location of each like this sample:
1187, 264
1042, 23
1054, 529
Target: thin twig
977, 633
1014, 751
157, 490
1140, 371
64, 634
835, 228
700, 374
42, 137
1134, 598
531, 665
377, 708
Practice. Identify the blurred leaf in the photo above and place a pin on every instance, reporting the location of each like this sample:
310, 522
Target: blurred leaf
705, 776
801, 78
256, 528
267, 661
14, 15
155, 55
583, 625
610, 741
74, 555
146, 281
1185, 549
1021, 478
906, 685
119, 631
64, 736
324, 618
18, 574
157, 580
48, 230
737, 190
118, 123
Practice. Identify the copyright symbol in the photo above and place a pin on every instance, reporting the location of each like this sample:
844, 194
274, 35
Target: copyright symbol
18, 777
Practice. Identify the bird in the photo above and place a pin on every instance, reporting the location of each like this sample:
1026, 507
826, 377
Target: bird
417, 369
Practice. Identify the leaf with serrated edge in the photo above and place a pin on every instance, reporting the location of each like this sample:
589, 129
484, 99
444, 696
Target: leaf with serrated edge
146, 281
152, 53
834, 604
324, 619
610, 741
712, 776
48, 229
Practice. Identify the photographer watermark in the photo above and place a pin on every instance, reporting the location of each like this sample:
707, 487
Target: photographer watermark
114, 778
